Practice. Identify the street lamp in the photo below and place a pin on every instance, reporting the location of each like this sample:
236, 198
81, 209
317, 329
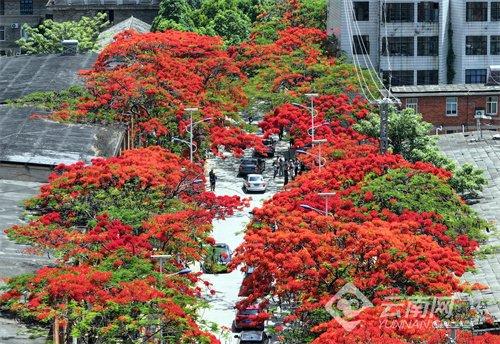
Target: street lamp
308, 207
327, 196
321, 161
191, 127
311, 96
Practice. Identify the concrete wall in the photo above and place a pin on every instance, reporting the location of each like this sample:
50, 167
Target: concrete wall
26, 173
433, 110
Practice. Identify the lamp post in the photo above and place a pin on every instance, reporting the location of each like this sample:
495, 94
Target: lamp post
319, 142
308, 207
327, 196
191, 111
311, 96
321, 160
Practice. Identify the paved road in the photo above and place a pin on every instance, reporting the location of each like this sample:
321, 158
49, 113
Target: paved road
12, 259
230, 231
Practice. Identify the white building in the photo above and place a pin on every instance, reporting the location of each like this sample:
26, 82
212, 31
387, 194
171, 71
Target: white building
408, 41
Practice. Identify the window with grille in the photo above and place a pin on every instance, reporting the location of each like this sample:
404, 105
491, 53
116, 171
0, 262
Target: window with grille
398, 46
491, 106
398, 77
428, 11
26, 7
451, 106
399, 12
475, 76
427, 77
361, 10
476, 11
361, 44
495, 11
427, 46
495, 45
412, 103
476, 45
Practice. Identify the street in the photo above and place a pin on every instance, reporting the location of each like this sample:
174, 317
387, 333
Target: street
231, 232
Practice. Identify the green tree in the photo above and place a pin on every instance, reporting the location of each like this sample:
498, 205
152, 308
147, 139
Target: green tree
231, 24
409, 136
174, 14
46, 38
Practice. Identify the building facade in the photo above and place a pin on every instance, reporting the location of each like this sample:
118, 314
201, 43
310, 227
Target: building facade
409, 42
117, 10
15, 13
453, 108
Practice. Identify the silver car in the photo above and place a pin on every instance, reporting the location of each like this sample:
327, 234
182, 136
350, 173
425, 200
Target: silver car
254, 183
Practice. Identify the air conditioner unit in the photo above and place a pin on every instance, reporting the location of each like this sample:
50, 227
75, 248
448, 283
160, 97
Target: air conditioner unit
480, 114
14, 26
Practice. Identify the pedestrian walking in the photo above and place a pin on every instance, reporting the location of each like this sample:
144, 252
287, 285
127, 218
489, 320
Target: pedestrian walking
213, 179
276, 167
285, 173
281, 166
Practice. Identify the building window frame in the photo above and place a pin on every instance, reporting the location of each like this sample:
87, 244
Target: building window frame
451, 106
427, 77
2, 7
495, 11
25, 7
492, 105
412, 103
398, 46
476, 45
427, 46
476, 11
361, 45
428, 12
2, 33
399, 77
399, 12
361, 10
476, 76
495, 45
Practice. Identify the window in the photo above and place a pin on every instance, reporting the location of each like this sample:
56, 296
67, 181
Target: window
428, 12
427, 46
475, 76
495, 45
399, 12
476, 11
361, 45
491, 106
2, 7
397, 46
476, 45
495, 11
427, 77
451, 106
2, 33
398, 77
412, 103
26, 7
361, 10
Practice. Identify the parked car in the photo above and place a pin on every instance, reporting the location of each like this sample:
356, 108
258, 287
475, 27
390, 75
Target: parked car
251, 166
217, 259
248, 319
254, 183
253, 337
270, 150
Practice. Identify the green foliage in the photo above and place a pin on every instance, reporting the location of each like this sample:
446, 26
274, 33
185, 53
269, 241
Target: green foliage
51, 100
409, 136
400, 190
47, 37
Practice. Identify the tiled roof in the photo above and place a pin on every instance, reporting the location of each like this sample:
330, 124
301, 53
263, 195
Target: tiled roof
131, 23
25, 74
484, 154
38, 141
450, 89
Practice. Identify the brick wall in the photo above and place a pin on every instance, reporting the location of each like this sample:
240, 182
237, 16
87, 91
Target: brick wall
433, 110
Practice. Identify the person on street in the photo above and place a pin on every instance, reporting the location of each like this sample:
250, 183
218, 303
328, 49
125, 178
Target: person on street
296, 166
276, 167
281, 166
213, 179
285, 172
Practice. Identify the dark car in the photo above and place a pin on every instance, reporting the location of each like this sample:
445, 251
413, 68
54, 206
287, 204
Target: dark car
253, 337
217, 259
251, 166
270, 150
248, 319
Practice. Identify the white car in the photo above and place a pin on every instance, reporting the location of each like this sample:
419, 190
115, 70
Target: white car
254, 183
